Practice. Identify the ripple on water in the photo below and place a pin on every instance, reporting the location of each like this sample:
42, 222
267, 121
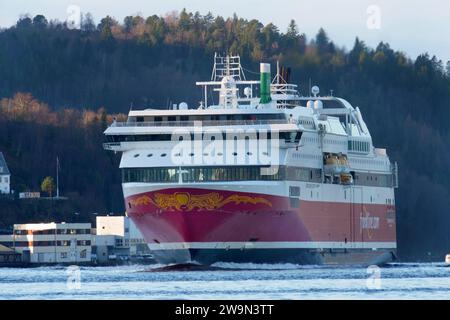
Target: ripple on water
228, 280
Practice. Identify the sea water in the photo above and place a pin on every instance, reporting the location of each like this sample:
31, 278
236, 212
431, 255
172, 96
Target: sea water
228, 281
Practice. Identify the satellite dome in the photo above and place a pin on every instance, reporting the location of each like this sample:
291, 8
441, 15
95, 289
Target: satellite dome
183, 106
248, 92
318, 104
315, 91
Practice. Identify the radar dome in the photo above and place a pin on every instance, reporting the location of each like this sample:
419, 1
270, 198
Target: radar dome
183, 106
310, 104
315, 91
248, 92
318, 104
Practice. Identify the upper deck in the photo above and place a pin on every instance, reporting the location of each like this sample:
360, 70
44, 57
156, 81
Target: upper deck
279, 108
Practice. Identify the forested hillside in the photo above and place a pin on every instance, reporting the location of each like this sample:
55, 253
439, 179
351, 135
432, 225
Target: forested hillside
59, 85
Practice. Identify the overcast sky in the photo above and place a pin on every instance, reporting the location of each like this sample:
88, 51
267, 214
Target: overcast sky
412, 26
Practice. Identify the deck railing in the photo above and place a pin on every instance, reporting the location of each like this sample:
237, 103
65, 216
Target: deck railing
196, 123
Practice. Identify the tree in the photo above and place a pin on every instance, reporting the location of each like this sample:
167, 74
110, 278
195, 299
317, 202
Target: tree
292, 31
24, 22
447, 69
48, 185
185, 20
87, 22
359, 48
105, 27
40, 21
128, 24
322, 41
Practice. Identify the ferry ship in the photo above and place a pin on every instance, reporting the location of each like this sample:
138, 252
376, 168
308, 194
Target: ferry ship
272, 177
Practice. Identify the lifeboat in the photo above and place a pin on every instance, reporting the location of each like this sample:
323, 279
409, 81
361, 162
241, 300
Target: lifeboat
346, 178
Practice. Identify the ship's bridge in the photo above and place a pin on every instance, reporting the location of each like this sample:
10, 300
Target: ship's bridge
279, 108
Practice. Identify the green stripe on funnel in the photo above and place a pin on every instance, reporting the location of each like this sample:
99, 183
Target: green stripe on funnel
265, 83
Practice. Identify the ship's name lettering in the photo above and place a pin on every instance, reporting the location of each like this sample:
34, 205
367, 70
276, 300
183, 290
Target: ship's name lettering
370, 222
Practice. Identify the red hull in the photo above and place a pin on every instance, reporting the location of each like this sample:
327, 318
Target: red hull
200, 216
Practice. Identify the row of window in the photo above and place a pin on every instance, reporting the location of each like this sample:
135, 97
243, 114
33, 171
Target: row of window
200, 174
64, 243
372, 179
228, 117
230, 173
52, 231
64, 255
360, 146
244, 173
286, 136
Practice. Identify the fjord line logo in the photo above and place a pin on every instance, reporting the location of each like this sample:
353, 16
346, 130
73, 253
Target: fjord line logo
231, 146
73, 277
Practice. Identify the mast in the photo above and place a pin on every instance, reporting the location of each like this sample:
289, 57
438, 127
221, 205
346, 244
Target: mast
57, 177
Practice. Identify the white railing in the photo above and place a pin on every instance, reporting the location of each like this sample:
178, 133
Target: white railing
196, 123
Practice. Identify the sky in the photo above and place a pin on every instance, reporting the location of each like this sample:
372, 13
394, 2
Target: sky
411, 26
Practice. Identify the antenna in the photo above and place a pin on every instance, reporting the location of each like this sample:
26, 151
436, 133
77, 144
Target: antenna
57, 177
228, 74
278, 72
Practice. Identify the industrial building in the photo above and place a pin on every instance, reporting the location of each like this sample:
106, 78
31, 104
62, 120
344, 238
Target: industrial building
51, 242
9, 257
118, 239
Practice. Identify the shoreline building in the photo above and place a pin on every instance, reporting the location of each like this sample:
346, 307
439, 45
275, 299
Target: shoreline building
52, 242
118, 238
5, 176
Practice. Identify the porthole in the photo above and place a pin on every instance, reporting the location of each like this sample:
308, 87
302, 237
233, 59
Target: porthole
234, 153
150, 155
249, 153
163, 154
136, 155
191, 154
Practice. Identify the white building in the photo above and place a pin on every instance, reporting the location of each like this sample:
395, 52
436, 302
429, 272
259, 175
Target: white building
53, 242
5, 176
118, 236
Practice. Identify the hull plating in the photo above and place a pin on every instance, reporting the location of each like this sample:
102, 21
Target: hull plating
206, 226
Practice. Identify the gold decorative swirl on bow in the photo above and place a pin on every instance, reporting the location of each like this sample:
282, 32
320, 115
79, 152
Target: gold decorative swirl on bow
184, 201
